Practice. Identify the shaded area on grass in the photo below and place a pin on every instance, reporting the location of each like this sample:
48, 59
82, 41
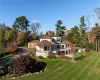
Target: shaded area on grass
23, 50
4, 70
80, 57
4, 64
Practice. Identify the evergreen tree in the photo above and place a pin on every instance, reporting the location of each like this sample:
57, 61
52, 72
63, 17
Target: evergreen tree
60, 30
83, 36
21, 23
46, 33
74, 35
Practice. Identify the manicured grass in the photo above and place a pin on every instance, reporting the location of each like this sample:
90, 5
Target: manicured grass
87, 67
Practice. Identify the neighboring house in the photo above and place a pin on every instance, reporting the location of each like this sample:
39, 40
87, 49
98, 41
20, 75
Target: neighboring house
50, 33
91, 38
48, 46
67, 32
33, 44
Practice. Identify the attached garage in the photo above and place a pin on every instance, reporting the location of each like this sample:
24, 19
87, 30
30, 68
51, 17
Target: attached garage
32, 44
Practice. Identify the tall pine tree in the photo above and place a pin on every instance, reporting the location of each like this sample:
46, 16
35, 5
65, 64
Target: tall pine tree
83, 35
60, 29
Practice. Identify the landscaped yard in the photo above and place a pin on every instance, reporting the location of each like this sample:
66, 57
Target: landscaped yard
87, 67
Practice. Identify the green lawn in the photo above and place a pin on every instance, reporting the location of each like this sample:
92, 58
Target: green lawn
87, 68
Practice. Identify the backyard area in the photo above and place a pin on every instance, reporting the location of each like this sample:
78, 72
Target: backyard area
86, 67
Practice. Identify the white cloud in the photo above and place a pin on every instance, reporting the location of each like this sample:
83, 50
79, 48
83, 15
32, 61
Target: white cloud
34, 21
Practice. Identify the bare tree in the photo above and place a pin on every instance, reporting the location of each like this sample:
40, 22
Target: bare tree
97, 12
3, 26
88, 23
41, 34
35, 26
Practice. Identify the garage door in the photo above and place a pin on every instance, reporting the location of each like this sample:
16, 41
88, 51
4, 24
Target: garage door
34, 45
30, 46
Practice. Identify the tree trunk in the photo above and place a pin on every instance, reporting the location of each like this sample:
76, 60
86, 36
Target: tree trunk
96, 44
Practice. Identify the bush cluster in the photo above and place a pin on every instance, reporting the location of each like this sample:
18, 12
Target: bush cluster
52, 57
26, 64
23, 64
41, 57
87, 49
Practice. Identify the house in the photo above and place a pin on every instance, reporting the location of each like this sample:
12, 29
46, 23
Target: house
91, 38
67, 32
48, 46
50, 33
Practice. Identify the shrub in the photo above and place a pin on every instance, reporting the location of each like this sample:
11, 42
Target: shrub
87, 49
51, 57
76, 50
26, 45
22, 65
1, 51
41, 57
11, 48
91, 46
25, 64
31, 54
40, 66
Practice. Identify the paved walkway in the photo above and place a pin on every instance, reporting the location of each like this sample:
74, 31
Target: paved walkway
20, 51
6, 61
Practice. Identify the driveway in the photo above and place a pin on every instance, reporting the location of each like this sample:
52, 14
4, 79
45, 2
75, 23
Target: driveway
19, 51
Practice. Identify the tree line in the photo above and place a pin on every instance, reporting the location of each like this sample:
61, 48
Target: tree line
18, 33
79, 35
22, 32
